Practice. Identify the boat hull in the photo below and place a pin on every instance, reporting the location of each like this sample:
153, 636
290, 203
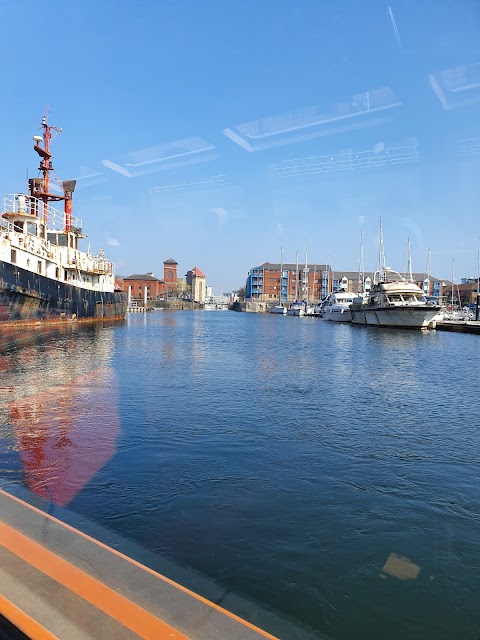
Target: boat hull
278, 309
296, 312
27, 297
411, 317
337, 315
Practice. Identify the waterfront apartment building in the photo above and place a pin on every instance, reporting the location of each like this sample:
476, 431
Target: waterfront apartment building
270, 282
464, 294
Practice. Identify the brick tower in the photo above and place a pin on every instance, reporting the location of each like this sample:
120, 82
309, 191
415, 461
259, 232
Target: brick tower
170, 268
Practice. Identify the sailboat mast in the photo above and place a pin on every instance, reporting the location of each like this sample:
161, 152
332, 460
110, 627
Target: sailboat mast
453, 278
305, 273
478, 282
329, 277
426, 281
381, 250
281, 274
410, 275
296, 278
361, 268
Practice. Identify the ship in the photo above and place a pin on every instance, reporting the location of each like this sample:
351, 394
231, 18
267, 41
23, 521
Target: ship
394, 301
44, 276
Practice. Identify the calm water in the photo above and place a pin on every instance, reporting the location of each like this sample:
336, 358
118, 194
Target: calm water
328, 472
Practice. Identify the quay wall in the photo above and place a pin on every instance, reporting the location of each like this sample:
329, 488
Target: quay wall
177, 305
171, 305
256, 307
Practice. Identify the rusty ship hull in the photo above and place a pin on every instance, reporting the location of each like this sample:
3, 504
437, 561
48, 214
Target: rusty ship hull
29, 297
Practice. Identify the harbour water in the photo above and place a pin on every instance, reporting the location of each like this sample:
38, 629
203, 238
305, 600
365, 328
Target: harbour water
324, 471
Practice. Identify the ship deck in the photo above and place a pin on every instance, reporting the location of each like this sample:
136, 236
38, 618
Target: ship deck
57, 582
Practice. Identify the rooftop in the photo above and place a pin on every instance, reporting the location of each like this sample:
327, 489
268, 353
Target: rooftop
197, 273
141, 276
272, 266
170, 261
338, 274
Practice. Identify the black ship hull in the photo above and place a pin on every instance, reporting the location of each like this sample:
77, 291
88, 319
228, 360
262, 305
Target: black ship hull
31, 297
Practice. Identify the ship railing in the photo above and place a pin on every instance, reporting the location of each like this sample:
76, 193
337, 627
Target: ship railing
21, 203
89, 262
99, 266
5, 225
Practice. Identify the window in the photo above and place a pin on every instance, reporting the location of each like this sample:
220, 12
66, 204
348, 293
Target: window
39, 266
18, 226
31, 228
13, 256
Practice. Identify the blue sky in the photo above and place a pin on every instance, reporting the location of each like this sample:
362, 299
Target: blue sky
214, 132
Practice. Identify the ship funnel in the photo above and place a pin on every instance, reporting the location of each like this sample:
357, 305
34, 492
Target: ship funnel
69, 186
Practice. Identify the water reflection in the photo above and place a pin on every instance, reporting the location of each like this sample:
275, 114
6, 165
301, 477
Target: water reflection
61, 410
197, 345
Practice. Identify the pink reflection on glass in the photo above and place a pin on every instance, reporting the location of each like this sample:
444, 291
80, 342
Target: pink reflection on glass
67, 433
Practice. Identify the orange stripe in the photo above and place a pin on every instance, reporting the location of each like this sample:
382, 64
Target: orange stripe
112, 603
24, 622
265, 634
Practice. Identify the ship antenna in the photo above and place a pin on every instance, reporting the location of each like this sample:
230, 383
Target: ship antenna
46, 161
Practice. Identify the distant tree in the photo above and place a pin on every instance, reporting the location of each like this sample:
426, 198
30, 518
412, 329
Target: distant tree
241, 294
179, 288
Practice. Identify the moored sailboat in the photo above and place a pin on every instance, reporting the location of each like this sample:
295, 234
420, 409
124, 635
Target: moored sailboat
279, 308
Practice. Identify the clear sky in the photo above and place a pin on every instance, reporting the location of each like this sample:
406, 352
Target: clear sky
216, 131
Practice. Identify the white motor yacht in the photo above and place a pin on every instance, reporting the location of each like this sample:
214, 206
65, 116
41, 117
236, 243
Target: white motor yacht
393, 301
337, 306
296, 309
